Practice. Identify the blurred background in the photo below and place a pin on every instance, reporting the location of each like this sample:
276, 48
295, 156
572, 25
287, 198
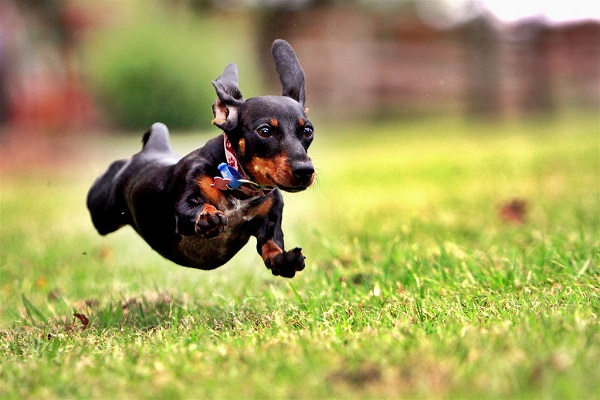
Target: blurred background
80, 66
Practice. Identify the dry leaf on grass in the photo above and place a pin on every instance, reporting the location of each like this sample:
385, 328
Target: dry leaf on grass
514, 211
84, 320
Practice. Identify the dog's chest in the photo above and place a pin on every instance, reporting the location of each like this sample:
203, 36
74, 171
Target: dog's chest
211, 253
242, 218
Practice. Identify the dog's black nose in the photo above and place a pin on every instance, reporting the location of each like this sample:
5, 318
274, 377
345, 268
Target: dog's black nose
303, 171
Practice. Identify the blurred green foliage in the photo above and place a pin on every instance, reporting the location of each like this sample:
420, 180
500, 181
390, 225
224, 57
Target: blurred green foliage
158, 67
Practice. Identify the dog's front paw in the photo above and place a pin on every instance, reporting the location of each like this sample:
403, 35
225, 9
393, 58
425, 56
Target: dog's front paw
287, 263
210, 222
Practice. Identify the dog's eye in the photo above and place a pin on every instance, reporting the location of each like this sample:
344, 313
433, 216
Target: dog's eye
308, 132
264, 131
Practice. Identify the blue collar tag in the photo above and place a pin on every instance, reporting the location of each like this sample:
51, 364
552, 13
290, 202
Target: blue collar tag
232, 179
231, 174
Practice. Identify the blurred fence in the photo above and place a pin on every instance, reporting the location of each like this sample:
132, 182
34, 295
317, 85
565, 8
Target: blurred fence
360, 61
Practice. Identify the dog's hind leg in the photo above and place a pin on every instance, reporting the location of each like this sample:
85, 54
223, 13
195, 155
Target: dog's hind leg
107, 208
106, 200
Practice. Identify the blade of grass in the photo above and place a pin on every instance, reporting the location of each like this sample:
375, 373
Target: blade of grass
32, 311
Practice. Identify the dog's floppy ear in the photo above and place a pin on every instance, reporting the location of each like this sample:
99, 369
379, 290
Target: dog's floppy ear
229, 98
290, 71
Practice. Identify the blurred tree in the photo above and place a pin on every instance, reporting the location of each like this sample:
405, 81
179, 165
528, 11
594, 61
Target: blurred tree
47, 92
4, 99
154, 68
199, 6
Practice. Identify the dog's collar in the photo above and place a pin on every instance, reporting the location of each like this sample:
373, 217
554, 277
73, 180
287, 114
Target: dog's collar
233, 176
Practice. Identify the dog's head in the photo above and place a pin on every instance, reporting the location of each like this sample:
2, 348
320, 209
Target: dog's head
270, 134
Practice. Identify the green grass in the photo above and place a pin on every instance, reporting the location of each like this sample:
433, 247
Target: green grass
414, 286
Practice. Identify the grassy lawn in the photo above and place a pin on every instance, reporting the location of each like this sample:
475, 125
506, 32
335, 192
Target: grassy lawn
415, 286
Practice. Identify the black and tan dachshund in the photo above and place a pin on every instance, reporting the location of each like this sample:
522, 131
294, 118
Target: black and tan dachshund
200, 210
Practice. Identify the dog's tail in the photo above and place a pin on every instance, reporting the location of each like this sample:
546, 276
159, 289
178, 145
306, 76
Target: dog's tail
156, 139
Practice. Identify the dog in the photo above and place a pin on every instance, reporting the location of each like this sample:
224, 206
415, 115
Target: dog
200, 210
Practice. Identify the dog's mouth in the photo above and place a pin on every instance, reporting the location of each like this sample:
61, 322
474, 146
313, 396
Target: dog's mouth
291, 187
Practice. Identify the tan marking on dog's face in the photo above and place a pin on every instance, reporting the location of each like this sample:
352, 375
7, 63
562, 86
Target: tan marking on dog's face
213, 195
273, 122
301, 121
271, 171
242, 145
